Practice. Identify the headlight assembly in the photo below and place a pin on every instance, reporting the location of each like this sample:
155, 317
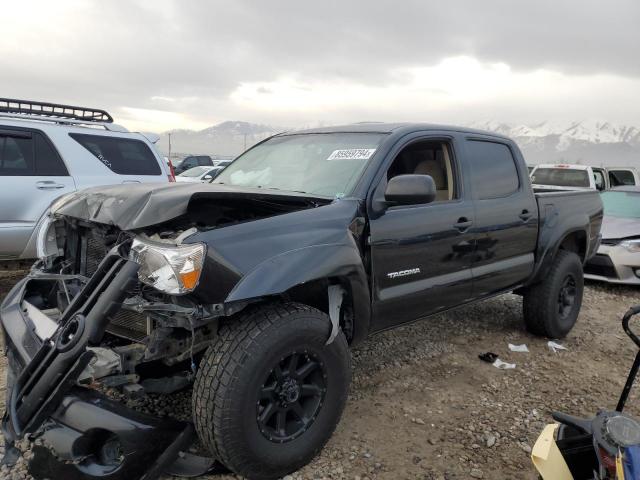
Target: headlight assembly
173, 269
46, 244
631, 245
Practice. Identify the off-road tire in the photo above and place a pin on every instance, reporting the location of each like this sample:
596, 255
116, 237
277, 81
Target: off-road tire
233, 371
540, 303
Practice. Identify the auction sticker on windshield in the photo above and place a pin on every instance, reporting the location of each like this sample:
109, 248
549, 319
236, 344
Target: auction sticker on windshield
352, 154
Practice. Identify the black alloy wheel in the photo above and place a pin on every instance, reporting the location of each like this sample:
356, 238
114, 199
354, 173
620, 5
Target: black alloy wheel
291, 397
567, 296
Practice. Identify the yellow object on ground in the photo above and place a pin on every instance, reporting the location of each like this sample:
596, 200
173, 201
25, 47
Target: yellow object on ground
546, 456
619, 466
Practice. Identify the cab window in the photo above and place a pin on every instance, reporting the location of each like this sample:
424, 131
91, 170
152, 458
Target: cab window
428, 158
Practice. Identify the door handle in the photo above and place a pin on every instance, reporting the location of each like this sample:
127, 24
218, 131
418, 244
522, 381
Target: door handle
48, 185
525, 215
462, 224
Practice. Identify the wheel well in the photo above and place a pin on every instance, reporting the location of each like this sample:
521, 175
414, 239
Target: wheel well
315, 294
575, 242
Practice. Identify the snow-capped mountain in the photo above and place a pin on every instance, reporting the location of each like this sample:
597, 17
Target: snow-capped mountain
226, 139
592, 142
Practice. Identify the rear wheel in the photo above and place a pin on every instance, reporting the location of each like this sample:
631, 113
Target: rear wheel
551, 307
269, 393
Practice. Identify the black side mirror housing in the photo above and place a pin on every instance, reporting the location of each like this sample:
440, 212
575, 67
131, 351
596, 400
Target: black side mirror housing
410, 190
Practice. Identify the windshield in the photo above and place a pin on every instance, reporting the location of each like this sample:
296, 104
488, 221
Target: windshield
561, 177
325, 164
195, 172
621, 204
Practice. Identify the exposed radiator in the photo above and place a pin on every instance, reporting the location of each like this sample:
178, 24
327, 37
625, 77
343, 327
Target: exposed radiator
96, 251
131, 325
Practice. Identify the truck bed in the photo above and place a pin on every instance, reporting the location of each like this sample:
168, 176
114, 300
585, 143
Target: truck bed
562, 212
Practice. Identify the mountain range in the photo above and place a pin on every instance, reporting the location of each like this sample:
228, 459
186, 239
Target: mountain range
227, 139
590, 142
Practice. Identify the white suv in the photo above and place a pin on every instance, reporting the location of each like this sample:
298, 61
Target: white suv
48, 150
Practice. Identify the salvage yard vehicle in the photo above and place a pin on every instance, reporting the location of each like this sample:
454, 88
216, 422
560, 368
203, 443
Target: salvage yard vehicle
563, 177
605, 447
199, 174
48, 150
612, 177
256, 285
618, 257
193, 161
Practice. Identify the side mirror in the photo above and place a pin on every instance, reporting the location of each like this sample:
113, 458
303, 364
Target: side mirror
207, 178
410, 190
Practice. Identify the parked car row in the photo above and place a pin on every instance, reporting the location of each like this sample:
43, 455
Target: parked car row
199, 174
581, 177
199, 161
618, 256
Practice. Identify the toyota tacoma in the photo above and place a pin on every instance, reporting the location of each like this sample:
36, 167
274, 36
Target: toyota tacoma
252, 289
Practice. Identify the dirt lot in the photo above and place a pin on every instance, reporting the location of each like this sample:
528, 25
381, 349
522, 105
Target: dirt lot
423, 406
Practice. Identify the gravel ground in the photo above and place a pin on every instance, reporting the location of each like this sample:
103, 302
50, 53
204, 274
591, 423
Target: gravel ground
422, 405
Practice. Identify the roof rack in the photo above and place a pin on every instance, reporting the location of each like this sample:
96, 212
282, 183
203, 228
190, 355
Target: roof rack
43, 109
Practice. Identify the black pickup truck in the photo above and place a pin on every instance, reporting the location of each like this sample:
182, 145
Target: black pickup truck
254, 287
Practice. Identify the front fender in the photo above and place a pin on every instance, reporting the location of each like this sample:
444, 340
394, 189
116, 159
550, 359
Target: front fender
287, 270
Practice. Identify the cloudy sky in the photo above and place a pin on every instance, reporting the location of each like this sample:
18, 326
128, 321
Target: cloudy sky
164, 64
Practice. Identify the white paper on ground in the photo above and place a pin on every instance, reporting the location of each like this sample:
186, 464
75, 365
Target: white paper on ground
555, 346
503, 365
518, 348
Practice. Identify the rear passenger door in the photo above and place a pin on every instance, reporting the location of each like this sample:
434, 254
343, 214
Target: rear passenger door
32, 175
506, 220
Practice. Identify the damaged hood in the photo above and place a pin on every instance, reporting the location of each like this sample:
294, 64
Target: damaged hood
619, 227
140, 205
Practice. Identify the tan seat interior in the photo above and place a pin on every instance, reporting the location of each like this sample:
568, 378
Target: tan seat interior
431, 159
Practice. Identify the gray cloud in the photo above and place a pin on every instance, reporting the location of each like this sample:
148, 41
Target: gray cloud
123, 53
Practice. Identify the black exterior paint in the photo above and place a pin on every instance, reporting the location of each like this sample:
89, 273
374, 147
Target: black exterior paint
502, 248
500, 251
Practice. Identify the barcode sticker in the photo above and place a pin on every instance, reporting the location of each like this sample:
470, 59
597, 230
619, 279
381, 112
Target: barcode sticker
352, 154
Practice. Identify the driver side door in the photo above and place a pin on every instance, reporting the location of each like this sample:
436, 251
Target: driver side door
421, 255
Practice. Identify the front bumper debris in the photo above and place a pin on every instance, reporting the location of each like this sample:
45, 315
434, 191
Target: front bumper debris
87, 435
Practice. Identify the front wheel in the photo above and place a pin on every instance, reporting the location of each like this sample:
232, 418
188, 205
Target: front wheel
269, 392
551, 307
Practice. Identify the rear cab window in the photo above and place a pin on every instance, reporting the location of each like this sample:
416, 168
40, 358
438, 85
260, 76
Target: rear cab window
495, 174
561, 177
124, 156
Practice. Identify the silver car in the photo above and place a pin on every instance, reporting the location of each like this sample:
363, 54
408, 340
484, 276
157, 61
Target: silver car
618, 258
49, 150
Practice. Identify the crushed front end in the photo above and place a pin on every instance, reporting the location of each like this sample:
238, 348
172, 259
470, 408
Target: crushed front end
91, 316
